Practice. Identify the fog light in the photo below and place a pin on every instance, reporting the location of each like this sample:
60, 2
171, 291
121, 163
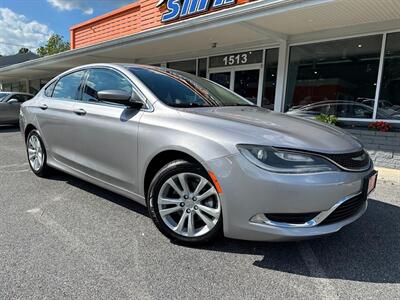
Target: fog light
259, 218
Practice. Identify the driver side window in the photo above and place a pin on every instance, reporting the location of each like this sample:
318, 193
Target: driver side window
104, 79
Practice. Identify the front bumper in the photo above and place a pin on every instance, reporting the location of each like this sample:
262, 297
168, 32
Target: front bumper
249, 190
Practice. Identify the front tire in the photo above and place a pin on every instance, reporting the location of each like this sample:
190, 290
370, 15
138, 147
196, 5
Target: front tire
184, 204
36, 152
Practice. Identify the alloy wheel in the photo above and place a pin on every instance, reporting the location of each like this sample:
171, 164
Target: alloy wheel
189, 204
35, 153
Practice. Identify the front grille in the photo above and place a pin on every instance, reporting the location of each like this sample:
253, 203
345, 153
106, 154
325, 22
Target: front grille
291, 218
351, 161
345, 210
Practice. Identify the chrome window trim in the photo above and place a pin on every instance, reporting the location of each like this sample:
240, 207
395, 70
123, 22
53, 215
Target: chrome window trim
312, 223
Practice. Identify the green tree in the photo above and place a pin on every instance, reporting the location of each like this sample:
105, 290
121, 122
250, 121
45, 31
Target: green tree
23, 50
54, 45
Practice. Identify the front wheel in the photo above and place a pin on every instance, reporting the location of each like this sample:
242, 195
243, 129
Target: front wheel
184, 204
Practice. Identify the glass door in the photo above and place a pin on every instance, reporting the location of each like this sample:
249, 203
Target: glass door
243, 81
246, 84
222, 78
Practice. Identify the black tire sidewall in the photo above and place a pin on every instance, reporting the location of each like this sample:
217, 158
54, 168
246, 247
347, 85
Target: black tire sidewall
169, 170
43, 169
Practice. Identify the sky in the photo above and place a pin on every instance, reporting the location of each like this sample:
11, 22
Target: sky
29, 23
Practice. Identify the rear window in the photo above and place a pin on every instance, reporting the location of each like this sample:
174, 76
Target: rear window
68, 86
49, 90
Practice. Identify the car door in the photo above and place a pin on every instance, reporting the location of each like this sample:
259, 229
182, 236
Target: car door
14, 106
7, 109
107, 132
56, 117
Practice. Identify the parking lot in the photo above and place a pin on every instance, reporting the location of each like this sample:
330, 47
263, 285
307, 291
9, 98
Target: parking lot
65, 238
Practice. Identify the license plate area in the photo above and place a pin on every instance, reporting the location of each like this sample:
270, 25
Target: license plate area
370, 183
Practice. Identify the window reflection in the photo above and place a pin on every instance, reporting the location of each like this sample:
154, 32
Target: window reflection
344, 72
389, 100
188, 66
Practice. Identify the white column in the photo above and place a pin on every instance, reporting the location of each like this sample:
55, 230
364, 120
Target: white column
281, 76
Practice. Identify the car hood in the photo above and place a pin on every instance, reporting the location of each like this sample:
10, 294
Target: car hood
261, 126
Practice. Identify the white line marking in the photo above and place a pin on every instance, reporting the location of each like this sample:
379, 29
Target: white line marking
13, 165
94, 257
323, 285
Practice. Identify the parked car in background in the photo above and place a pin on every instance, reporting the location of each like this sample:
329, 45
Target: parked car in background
383, 104
341, 109
203, 159
10, 103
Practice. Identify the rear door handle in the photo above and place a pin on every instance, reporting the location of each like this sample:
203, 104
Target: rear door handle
43, 106
80, 111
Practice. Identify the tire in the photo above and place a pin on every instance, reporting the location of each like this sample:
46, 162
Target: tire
37, 155
193, 217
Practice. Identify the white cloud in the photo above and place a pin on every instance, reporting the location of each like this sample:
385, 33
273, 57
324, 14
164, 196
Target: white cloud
69, 5
17, 32
86, 6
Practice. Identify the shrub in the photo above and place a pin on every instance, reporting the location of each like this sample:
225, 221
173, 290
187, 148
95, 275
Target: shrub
329, 119
380, 126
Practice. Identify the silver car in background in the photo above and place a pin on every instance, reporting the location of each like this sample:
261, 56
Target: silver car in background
10, 103
203, 160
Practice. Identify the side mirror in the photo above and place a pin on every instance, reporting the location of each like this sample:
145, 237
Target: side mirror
13, 101
121, 97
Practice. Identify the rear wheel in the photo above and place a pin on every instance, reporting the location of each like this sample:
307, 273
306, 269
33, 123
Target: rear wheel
184, 204
36, 152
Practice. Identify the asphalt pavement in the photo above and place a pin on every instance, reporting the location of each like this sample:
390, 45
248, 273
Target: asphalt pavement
64, 238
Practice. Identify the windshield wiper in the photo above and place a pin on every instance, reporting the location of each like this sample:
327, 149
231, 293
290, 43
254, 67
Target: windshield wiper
188, 105
242, 104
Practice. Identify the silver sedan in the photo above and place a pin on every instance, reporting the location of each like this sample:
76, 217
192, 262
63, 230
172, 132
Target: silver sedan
204, 160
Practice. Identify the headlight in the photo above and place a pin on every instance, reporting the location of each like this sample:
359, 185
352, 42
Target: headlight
282, 161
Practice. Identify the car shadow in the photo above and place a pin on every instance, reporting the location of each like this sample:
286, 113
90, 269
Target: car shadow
99, 192
8, 128
367, 250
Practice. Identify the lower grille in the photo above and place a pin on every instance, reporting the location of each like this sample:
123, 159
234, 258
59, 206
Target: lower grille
291, 218
346, 210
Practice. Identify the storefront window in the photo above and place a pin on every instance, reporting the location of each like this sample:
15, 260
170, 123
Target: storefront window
19, 86
389, 100
271, 69
6, 87
34, 86
186, 66
337, 77
202, 67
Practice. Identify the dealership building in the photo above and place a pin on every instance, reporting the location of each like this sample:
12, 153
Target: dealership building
304, 57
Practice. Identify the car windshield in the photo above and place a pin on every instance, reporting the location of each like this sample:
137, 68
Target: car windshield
3, 96
180, 89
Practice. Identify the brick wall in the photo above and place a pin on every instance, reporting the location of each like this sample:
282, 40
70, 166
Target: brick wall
383, 147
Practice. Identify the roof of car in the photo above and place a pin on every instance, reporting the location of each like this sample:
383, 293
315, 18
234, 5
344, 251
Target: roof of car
326, 102
16, 93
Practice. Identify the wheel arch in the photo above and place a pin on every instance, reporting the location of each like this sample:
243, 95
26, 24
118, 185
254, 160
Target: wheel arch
28, 129
161, 159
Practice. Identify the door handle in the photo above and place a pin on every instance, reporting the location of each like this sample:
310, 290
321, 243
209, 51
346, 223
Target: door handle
43, 107
80, 111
